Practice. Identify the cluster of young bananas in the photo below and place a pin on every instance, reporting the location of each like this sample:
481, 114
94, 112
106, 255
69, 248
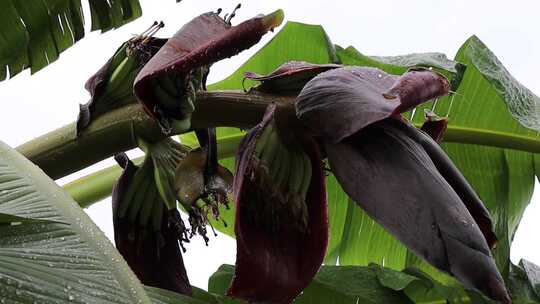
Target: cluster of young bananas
149, 197
142, 203
286, 171
175, 97
126, 64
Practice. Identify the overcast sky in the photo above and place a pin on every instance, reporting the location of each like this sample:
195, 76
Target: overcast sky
33, 105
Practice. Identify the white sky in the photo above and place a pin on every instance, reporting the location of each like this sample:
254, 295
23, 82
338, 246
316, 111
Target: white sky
49, 99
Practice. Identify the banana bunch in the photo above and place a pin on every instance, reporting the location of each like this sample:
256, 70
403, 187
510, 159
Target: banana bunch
142, 204
147, 233
286, 170
150, 196
126, 63
112, 86
175, 96
124, 66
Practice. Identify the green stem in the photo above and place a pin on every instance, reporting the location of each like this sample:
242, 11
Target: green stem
61, 152
491, 138
97, 186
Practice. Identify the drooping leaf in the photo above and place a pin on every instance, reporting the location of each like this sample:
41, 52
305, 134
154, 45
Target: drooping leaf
504, 179
281, 212
107, 14
34, 33
65, 261
166, 86
532, 271
381, 166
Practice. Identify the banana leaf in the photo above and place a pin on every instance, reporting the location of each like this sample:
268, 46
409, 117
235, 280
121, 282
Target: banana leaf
33, 33
55, 254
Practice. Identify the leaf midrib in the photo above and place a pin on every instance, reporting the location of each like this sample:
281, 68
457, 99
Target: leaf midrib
486, 137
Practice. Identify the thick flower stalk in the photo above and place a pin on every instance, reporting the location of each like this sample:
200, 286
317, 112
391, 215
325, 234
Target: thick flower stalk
281, 213
398, 174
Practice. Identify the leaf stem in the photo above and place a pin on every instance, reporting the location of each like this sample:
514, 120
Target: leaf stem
61, 152
465, 135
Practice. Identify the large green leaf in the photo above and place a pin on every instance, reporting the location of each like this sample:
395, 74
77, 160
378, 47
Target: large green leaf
490, 99
56, 254
370, 284
33, 33
296, 41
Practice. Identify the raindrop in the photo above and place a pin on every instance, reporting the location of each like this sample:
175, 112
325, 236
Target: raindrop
70, 298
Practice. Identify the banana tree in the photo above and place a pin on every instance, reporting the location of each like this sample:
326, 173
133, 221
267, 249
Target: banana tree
342, 182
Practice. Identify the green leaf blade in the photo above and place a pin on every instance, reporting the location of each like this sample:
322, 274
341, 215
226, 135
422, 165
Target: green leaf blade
71, 261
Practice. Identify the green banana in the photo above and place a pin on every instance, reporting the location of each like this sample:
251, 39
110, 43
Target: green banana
139, 199
146, 210
120, 55
121, 79
157, 215
287, 170
168, 84
262, 142
297, 173
130, 193
164, 99
164, 182
269, 153
307, 176
276, 163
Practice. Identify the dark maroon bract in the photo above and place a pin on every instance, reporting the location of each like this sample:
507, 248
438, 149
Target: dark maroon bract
167, 84
398, 174
281, 233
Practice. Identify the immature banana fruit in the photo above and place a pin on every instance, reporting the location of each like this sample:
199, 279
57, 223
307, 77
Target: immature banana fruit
144, 233
286, 171
281, 220
112, 86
